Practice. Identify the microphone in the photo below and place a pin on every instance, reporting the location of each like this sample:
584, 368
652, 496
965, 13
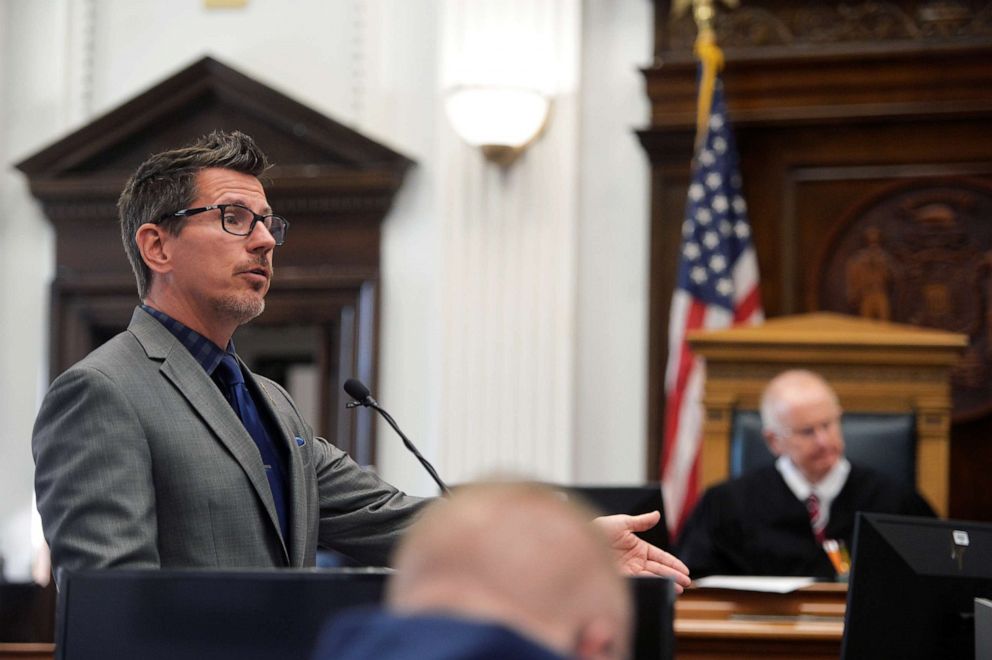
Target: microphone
357, 390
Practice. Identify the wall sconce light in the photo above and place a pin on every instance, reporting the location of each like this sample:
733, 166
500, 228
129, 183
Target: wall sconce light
502, 121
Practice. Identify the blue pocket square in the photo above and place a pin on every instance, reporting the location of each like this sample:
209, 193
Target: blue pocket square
300, 441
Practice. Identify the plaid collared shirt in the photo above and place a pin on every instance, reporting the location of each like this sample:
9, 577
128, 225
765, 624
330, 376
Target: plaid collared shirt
204, 351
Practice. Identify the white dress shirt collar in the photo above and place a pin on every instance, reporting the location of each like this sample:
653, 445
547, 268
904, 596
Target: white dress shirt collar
826, 489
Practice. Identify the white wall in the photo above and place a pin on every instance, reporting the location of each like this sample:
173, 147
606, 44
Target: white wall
31, 112
614, 237
401, 100
558, 244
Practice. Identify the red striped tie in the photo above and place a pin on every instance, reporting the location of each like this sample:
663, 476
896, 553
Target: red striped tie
815, 520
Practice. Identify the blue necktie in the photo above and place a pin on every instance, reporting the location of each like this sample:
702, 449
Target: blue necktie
228, 373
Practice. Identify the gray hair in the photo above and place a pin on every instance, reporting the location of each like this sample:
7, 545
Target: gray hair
786, 388
166, 183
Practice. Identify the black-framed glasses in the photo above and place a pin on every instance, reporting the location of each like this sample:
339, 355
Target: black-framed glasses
239, 220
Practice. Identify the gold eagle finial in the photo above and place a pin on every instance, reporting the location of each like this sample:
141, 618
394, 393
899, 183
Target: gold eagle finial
703, 11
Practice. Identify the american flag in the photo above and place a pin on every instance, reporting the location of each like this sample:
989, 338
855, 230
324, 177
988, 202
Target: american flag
717, 287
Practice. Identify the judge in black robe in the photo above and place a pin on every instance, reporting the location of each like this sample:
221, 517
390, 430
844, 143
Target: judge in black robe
759, 523
755, 525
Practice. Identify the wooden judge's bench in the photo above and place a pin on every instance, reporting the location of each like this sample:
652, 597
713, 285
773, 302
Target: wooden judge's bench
722, 623
875, 367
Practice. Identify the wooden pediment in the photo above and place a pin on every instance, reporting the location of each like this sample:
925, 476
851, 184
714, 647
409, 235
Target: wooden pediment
312, 153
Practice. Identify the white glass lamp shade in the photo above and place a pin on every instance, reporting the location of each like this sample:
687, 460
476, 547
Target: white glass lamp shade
501, 121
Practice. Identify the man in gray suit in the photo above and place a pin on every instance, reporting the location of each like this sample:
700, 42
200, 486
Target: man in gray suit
161, 449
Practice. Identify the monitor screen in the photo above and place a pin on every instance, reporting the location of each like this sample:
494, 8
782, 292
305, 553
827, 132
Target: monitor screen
912, 587
252, 615
168, 614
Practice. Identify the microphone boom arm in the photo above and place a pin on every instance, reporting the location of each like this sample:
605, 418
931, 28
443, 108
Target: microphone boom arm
362, 397
409, 445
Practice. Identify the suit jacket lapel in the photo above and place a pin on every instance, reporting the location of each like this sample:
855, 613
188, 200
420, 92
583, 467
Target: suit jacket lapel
189, 378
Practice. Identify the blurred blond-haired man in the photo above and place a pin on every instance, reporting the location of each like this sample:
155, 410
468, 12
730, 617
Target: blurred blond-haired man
474, 579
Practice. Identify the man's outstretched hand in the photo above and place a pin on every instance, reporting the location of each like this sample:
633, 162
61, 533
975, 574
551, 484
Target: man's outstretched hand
635, 555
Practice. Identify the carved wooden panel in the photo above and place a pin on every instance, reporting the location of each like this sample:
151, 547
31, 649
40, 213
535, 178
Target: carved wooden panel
920, 253
789, 23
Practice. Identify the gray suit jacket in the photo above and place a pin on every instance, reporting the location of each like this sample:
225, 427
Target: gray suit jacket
141, 462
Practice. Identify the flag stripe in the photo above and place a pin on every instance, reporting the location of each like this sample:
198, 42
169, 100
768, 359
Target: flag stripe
717, 287
749, 309
684, 362
692, 486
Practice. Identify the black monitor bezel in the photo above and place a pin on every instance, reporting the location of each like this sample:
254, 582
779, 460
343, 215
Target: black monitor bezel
895, 610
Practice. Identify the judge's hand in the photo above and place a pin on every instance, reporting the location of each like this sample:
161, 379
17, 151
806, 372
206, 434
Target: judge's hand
635, 555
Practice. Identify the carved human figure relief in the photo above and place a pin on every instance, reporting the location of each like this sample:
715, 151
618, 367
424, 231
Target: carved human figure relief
919, 252
869, 275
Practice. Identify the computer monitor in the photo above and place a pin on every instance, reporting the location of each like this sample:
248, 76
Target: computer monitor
222, 615
252, 615
654, 632
912, 587
983, 629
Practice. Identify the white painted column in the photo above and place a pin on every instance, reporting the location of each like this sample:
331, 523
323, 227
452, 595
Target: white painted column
508, 244
614, 245
399, 105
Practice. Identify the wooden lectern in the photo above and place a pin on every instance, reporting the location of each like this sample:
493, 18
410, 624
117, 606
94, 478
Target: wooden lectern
874, 367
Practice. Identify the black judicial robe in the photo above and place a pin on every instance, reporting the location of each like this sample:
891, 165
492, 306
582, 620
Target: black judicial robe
755, 525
